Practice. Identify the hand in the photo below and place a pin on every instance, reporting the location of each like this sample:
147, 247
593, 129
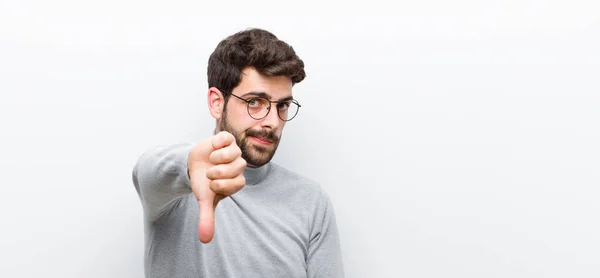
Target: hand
216, 168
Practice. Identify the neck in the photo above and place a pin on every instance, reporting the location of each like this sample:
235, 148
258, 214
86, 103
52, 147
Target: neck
255, 175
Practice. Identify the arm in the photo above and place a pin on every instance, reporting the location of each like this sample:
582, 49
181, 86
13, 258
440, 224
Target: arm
211, 170
160, 177
324, 254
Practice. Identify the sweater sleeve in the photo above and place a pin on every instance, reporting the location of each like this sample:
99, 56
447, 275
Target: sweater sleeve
160, 177
324, 254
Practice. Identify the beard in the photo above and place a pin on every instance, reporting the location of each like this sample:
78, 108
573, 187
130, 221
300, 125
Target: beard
256, 155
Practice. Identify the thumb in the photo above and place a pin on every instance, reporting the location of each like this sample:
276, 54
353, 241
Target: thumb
206, 200
206, 227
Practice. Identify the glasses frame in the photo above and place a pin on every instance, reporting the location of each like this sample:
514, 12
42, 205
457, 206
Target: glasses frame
247, 101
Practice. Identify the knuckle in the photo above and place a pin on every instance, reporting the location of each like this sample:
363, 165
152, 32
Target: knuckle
225, 136
217, 172
218, 186
225, 154
212, 156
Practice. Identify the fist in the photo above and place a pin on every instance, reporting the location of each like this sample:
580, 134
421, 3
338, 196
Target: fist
216, 169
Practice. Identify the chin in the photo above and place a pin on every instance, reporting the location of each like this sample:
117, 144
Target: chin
256, 165
257, 158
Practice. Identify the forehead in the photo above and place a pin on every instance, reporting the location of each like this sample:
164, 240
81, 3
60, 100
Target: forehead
276, 87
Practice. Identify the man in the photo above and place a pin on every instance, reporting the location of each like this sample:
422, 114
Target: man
220, 208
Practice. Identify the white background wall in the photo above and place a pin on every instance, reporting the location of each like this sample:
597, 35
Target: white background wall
456, 138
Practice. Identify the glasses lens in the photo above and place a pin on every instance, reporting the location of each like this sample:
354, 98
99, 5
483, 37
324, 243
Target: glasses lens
287, 110
258, 107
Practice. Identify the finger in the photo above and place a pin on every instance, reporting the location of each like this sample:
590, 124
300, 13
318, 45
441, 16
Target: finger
227, 171
222, 139
225, 154
206, 226
201, 151
228, 187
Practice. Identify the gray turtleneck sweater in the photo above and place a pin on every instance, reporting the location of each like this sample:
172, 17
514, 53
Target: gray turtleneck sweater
279, 224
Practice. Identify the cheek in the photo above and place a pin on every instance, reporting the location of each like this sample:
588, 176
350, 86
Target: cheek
239, 120
280, 129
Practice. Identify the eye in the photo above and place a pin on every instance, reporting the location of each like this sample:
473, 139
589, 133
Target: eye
254, 103
283, 105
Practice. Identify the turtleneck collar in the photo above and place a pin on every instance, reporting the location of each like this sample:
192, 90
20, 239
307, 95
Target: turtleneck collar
255, 175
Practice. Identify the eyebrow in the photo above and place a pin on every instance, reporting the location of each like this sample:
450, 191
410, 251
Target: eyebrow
267, 96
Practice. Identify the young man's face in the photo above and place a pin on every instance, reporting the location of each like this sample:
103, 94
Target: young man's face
258, 139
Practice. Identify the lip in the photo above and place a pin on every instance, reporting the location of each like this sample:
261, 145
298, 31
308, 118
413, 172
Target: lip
261, 140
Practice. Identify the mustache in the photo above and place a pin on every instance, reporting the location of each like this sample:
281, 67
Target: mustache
263, 134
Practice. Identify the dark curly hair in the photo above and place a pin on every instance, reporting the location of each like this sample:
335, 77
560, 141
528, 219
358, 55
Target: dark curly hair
252, 48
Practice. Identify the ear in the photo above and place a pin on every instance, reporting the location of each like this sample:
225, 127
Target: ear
216, 103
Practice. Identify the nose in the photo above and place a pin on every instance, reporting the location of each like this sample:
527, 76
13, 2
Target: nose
272, 119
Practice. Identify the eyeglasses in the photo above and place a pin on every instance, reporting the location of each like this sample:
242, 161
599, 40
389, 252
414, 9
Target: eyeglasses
259, 107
